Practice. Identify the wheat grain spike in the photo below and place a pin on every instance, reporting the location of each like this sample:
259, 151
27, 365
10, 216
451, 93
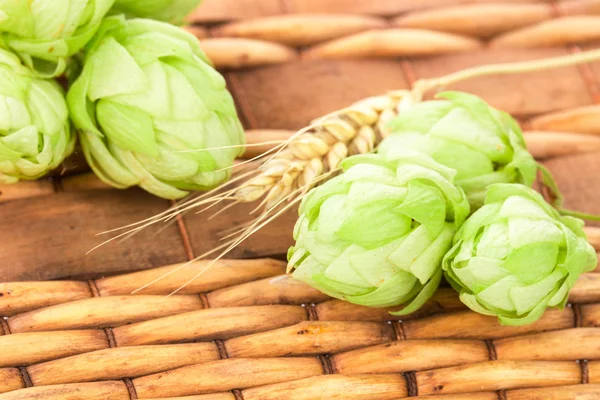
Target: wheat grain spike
320, 148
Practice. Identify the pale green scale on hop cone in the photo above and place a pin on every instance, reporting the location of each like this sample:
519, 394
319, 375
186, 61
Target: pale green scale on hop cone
44, 33
517, 255
151, 110
484, 145
376, 234
35, 134
172, 11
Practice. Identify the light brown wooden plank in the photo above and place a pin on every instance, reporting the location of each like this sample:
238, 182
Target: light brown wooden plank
222, 274
555, 32
497, 375
586, 289
564, 345
225, 375
210, 324
274, 239
299, 29
574, 7
556, 393
282, 289
18, 297
590, 315
593, 235
375, 7
21, 349
479, 20
578, 119
113, 390
310, 337
25, 189
469, 325
10, 379
216, 396
462, 396
594, 371
82, 182
101, 312
394, 42
546, 144
235, 53
121, 362
445, 299
341, 387
410, 355
61, 228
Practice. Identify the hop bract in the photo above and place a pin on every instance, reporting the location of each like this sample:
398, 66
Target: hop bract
35, 135
482, 144
147, 104
376, 234
45, 32
171, 11
516, 256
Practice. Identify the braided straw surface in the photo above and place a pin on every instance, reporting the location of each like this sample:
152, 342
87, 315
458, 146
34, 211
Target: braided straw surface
71, 329
247, 331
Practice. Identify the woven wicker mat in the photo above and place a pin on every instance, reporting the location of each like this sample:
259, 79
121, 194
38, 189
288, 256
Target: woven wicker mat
244, 330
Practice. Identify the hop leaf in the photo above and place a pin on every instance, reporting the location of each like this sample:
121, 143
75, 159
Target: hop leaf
35, 135
376, 234
45, 32
482, 144
151, 111
516, 256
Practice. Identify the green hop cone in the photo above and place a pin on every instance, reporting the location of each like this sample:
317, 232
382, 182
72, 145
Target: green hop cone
35, 135
461, 131
45, 32
146, 105
516, 256
171, 11
376, 234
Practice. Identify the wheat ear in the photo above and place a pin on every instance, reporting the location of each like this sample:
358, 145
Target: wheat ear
321, 147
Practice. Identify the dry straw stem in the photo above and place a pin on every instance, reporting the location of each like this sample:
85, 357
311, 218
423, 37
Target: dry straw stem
312, 155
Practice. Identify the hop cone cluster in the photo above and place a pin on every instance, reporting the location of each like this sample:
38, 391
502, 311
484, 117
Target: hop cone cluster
147, 104
35, 133
379, 234
44, 33
516, 256
148, 107
376, 234
484, 145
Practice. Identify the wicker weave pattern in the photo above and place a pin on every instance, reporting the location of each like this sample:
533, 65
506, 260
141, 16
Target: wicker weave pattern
281, 31
249, 329
246, 331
